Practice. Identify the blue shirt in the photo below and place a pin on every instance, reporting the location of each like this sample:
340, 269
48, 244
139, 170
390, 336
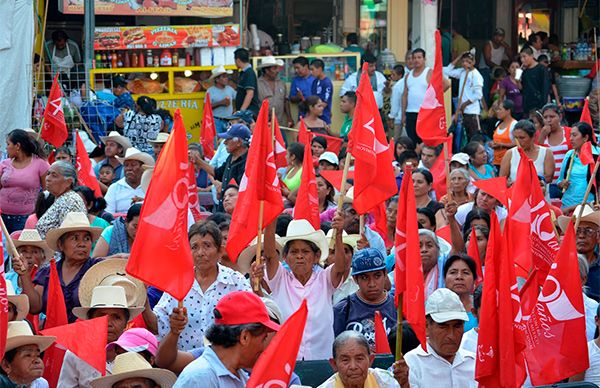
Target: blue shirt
593, 283
124, 101
119, 172
305, 86
208, 371
578, 180
324, 89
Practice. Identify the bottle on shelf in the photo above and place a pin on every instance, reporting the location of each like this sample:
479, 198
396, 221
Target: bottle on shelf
149, 59
113, 60
134, 59
105, 63
126, 61
141, 59
175, 59
166, 59
155, 61
337, 73
188, 59
99, 61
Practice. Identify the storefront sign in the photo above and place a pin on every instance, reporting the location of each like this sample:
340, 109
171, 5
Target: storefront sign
123, 38
191, 111
203, 8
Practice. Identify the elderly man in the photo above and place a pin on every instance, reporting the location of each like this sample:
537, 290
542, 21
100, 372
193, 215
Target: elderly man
114, 145
272, 88
127, 191
237, 338
444, 364
351, 361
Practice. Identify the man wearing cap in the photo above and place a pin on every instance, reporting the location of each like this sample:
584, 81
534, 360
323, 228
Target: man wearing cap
444, 364
114, 145
328, 161
272, 88
246, 97
222, 97
119, 89
357, 311
237, 338
121, 195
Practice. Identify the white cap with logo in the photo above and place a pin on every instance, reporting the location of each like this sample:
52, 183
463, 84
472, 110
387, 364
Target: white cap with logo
444, 305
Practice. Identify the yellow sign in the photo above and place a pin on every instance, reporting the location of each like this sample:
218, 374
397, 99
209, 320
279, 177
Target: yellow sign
191, 111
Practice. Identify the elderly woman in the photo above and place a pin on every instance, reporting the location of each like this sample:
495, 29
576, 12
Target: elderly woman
459, 181
73, 239
118, 238
212, 281
434, 253
22, 364
460, 273
33, 252
352, 359
302, 248
60, 181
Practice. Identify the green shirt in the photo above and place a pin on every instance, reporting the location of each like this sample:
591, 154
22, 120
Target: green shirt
346, 126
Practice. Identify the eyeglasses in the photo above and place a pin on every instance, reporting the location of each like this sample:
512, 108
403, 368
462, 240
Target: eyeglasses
587, 232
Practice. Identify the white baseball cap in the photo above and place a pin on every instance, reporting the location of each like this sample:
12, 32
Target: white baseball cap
444, 305
330, 157
461, 158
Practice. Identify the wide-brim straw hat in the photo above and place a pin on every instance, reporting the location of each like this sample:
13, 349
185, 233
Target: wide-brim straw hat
217, 71
111, 272
588, 215
131, 365
107, 297
303, 230
247, 255
161, 138
146, 177
135, 154
73, 222
348, 239
20, 301
269, 61
117, 138
19, 334
31, 237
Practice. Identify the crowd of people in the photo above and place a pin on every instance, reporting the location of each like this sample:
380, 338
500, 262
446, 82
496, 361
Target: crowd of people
344, 270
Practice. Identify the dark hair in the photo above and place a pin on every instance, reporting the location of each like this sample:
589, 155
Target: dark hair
508, 105
483, 229
204, 228
425, 172
533, 38
476, 214
59, 35
312, 245
318, 63
321, 140
219, 217
419, 50
525, 126
350, 335
308, 102
97, 151
64, 150
586, 130
107, 166
133, 211
352, 38
164, 114
91, 311
368, 58
526, 50
296, 149
330, 196
119, 81
408, 154
350, 96
552, 106
477, 294
543, 58
283, 220
409, 338
42, 203
461, 257
224, 226
399, 69
471, 148
228, 336
146, 105
302, 61
28, 145
97, 204
427, 213
242, 54
407, 142
231, 186
538, 116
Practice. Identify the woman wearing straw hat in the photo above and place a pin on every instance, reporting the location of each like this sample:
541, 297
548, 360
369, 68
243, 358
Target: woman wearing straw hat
22, 364
33, 251
131, 370
121, 195
73, 239
222, 97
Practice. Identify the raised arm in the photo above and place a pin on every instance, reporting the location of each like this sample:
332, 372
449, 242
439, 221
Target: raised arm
269, 251
341, 267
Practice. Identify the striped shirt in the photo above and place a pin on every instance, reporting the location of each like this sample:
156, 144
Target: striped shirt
558, 151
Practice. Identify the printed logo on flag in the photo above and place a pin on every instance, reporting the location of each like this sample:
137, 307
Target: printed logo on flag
557, 303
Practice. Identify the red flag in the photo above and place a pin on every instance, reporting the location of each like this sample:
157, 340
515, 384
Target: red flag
335, 177
444, 232
586, 117
380, 225
473, 252
193, 202
382, 346
279, 146
304, 136
259, 183
54, 129
431, 120
334, 144
275, 365
438, 170
529, 295
208, 132
85, 171
556, 341
374, 180
408, 271
496, 187
307, 200
161, 255
86, 339
3, 306
500, 344
56, 315
585, 154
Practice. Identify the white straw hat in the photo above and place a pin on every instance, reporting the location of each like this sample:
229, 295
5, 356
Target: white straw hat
107, 297
131, 365
161, 138
19, 334
303, 230
269, 61
74, 221
31, 237
588, 215
245, 257
217, 71
20, 301
135, 154
117, 138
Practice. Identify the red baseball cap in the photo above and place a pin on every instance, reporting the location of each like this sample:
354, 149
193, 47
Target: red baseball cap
242, 308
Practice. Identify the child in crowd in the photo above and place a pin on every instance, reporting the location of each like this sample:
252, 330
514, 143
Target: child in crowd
107, 174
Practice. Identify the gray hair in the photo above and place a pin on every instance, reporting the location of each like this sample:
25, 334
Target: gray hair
349, 335
430, 234
67, 170
462, 172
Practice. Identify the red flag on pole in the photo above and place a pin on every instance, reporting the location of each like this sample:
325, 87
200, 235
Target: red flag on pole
374, 178
3, 306
275, 365
193, 202
586, 116
86, 339
382, 346
304, 136
208, 131
380, 225
279, 147
307, 200
585, 154
54, 129
85, 171
408, 272
473, 252
556, 341
334, 144
496, 187
161, 254
438, 170
259, 183
56, 315
335, 177
431, 120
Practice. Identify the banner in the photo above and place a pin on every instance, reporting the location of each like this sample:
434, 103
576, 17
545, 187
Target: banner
158, 37
203, 8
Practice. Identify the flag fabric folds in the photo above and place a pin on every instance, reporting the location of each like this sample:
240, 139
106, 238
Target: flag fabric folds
307, 200
208, 129
54, 130
382, 346
85, 171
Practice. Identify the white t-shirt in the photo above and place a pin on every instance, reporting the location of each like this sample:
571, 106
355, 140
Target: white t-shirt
592, 375
463, 210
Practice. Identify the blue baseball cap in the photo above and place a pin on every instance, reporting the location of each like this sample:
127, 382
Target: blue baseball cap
236, 130
245, 115
367, 260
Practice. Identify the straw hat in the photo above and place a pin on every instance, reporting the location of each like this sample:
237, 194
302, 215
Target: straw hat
117, 138
73, 222
217, 71
348, 239
111, 272
245, 258
132, 365
161, 138
303, 230
588, 215
270, 61
19, 334
135, 154
146, 177
31, 237
21, 301
107, 297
